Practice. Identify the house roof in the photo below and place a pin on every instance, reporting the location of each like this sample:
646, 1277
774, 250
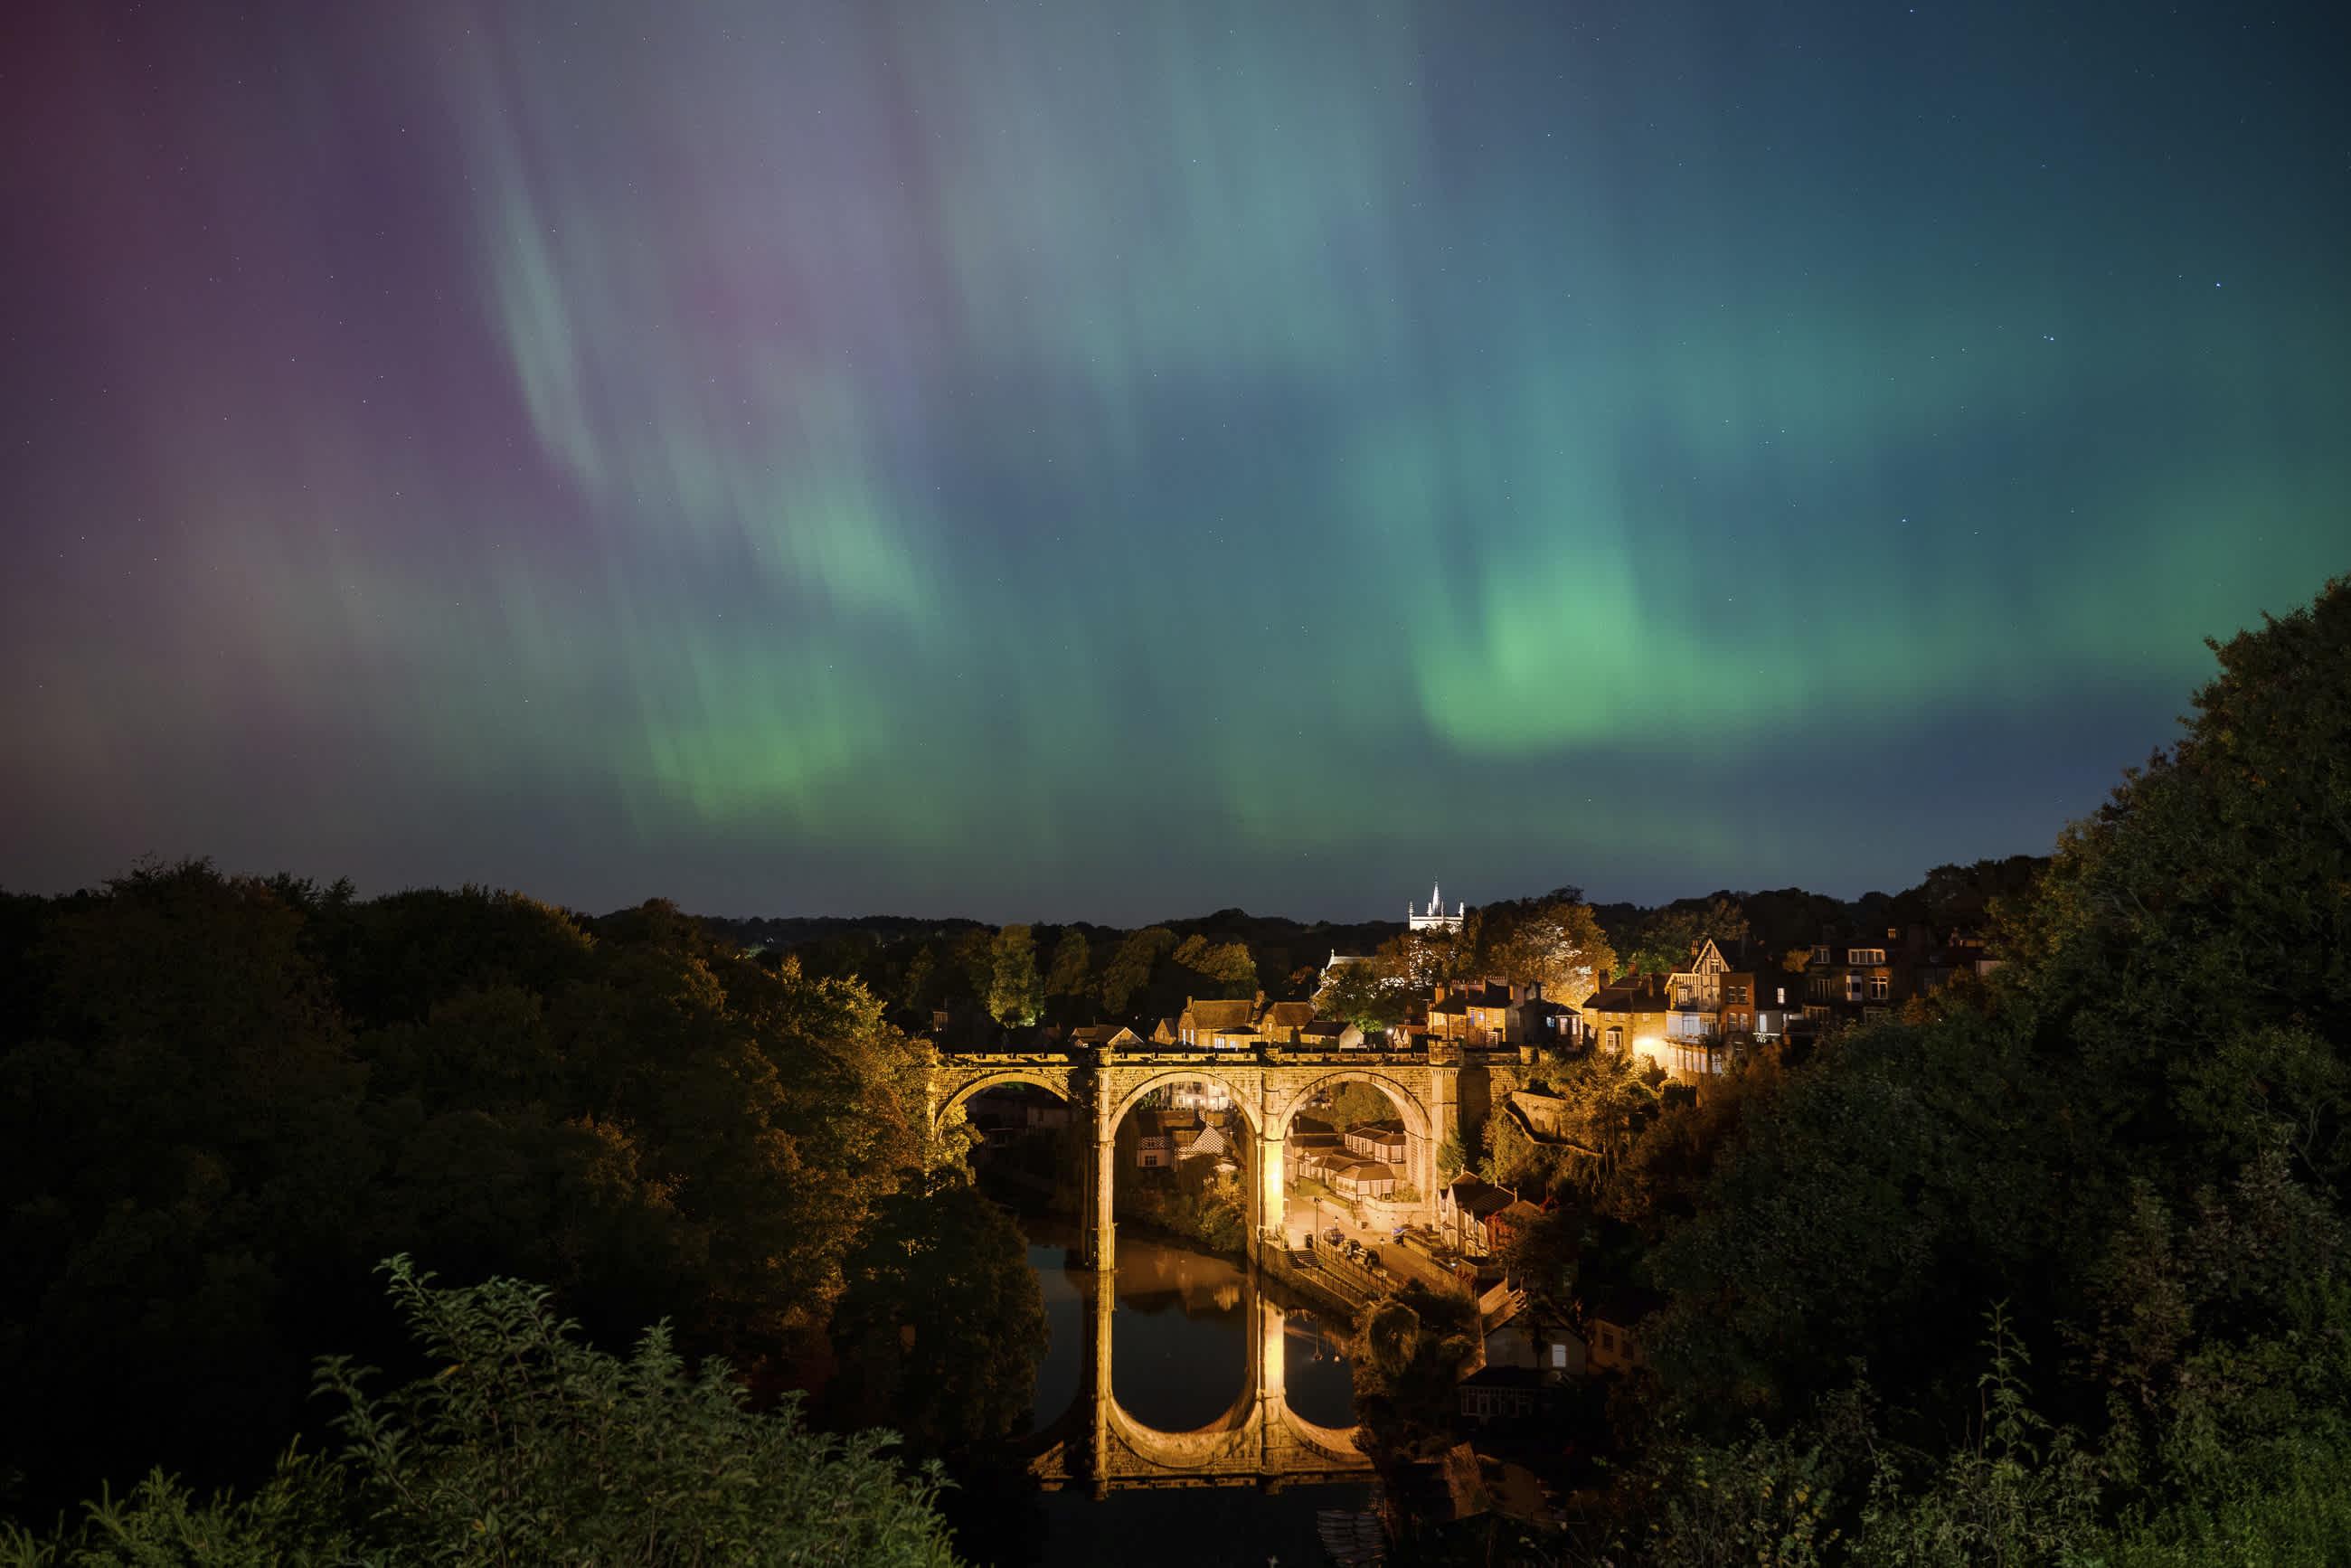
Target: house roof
1635, 994
1288, 1015
1478, 1198
1220, 1014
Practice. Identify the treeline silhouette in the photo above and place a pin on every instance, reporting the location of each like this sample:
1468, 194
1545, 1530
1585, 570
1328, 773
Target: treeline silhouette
224, 1101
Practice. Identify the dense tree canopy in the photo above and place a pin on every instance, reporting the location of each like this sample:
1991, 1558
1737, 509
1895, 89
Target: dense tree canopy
2137, 1142
228, 1096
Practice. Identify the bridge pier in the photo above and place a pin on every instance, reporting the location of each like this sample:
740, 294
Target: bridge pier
1273, 1202
1099, 1388
1099, 1250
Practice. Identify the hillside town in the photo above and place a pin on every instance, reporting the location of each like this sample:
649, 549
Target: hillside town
1354, 1209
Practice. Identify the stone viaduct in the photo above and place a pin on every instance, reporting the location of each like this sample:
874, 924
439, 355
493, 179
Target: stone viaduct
1435, 1091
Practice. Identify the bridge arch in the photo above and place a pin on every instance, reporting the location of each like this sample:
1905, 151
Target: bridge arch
1410, 1106
1053, 1080
1244, 1102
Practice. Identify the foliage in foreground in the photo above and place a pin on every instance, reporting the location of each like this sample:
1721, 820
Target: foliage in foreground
529, 1447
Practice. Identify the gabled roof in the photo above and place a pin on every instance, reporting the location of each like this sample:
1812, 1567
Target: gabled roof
1476, 1198
1220, 1014
1626, 996
1288, 1015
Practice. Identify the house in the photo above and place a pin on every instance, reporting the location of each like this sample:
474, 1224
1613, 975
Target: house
1612, 1320
1309, 1151
1163, 1034
1283, 1022
1330, 1034
1198, 1026
1548, 1023
1694, 1046
1383, 1141
1202, 1096
1238, 1037
1553, 1350
1465, 1210
1504, 1393
1866, 975
1105, 1037
1630, 1015
1351, 1176
1758, 1004
1153, 1150
1448, 1015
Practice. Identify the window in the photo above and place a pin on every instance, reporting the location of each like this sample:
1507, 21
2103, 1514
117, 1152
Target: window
1735, 995
1865, 955
1783, 995
1879, 988
1853, 984
1823, 955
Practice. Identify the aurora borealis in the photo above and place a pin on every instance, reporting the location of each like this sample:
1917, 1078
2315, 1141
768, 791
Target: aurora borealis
1103, 460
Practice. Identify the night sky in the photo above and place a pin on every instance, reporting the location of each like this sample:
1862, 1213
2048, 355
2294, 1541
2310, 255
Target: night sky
1104, 459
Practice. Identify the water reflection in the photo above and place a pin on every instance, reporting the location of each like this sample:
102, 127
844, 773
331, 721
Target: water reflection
1179, 1340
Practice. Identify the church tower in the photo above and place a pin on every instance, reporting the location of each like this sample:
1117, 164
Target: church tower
1434, 917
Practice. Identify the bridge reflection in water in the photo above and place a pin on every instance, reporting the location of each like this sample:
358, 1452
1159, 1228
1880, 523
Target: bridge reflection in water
1258, 1439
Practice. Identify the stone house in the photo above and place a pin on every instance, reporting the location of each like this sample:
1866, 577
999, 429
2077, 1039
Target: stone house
1630, 1015
1200, 1022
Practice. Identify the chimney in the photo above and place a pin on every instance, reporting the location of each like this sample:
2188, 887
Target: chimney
1603, 979
1440, 993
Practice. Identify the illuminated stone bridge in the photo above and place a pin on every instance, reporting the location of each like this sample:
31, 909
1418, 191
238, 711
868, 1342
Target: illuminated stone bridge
1434, 1091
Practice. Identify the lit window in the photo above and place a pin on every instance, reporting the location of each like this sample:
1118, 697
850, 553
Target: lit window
1879, 988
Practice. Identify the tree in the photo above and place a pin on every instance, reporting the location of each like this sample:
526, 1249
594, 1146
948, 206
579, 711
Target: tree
1069, 970
183, 1154
1557, 944
1130, 968
1363, 994
940, 1322
1226, 970
1425, 959
526, 1445
1669, 936
2168, 1031
1015, 995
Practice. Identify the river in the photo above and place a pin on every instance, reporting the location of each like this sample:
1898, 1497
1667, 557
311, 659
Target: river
1179, 1358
